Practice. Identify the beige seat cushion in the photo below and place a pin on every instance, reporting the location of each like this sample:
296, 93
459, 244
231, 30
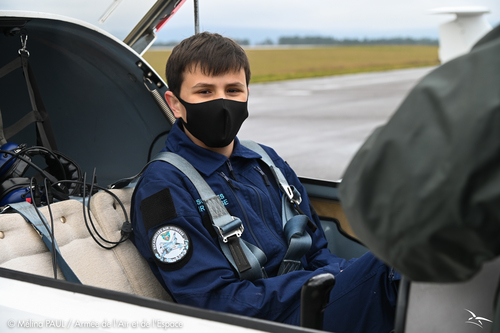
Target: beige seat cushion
109, 215
121, 269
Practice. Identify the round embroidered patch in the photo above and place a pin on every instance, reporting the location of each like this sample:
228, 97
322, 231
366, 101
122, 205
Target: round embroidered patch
170, 244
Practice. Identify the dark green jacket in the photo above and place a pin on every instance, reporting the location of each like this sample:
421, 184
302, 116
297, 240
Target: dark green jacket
423, 192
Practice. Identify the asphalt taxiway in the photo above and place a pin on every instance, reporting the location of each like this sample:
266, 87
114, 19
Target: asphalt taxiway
317, 125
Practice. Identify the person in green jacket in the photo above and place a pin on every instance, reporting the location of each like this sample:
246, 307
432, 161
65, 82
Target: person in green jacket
423, 192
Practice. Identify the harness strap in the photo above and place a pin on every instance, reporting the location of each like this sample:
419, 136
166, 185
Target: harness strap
2, 135
278, 175
38, 113
21, 124
29, 214
294, 223
14, 64
43, 125
299, 242
246, 260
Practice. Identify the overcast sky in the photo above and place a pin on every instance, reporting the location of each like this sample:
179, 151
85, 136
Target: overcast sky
258, 20
261, 19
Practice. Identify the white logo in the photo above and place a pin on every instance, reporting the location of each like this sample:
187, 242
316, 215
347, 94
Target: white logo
170, 244
475, 319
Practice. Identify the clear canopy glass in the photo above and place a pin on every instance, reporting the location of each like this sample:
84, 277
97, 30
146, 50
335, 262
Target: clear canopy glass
118, 17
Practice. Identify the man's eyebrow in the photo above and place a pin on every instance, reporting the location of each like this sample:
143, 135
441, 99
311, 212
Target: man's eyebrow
237, 83
202, 85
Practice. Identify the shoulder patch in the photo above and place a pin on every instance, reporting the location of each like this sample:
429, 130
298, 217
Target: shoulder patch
158, 208
171, 247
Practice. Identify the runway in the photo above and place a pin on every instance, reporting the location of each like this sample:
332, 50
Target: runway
317, 125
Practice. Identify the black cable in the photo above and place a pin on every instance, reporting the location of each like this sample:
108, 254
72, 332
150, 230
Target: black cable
22, 158
105, 190
50, 152
126, 225
90, 216
48, 176
44, 224
24, 150
85, 213
86, 222
48, 199
125, 235
153, 143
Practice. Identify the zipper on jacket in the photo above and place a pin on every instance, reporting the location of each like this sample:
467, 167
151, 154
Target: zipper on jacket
231, 171
245, 216
264, 176
229, 181
263, 217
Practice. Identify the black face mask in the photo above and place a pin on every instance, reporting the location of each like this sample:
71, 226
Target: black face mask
216, 122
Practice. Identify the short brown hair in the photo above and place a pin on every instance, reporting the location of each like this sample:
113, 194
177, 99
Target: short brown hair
211, 52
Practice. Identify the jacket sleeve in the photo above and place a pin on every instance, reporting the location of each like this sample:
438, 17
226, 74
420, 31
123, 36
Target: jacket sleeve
207, 280
423, 191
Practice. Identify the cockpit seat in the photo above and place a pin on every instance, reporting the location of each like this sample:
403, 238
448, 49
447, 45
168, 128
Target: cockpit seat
120, 269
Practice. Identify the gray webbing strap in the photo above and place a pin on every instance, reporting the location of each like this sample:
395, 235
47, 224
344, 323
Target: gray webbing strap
247, 259
278, 175
19, 125
3, 140
294, 224
228, 228
299, 241
218, 213
43, 125
38, 113
14, 64
27, 211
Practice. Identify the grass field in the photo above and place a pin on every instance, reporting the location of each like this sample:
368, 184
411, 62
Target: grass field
284, 64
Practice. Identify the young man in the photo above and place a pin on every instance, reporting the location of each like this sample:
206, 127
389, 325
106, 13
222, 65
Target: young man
208, 77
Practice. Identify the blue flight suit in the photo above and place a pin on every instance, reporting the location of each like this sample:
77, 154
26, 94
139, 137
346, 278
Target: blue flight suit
362, 300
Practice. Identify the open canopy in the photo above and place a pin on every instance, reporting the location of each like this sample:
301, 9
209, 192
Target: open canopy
102, 112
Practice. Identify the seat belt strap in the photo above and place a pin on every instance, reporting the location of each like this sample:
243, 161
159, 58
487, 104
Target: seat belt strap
240, 254
299, 241
27, 211
228, 228
248, 260
278, 175
294, 223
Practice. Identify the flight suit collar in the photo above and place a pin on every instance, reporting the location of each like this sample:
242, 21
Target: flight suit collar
204, 160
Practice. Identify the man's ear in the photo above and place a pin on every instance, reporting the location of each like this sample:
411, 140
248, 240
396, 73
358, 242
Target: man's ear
174, 104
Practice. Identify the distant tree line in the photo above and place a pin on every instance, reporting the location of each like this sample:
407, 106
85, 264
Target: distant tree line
242, 42
173, 43
318, 40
